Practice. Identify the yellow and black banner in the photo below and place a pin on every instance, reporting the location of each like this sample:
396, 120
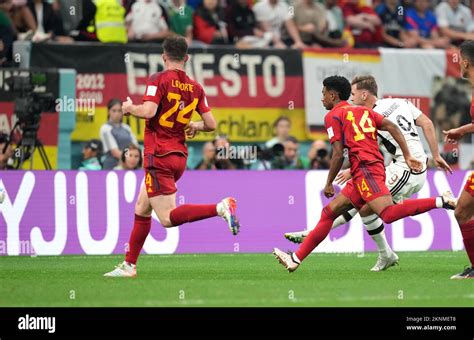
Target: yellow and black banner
246, 89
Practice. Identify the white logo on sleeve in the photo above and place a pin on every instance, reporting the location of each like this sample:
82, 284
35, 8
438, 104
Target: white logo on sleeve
151, 90
330, 132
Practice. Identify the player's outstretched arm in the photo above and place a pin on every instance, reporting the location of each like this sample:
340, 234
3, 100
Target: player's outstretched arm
429, 132
337, 160
387, 125
453, 135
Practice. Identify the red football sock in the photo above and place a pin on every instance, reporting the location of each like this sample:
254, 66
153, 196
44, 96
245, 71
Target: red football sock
317, 235
407, 208
467, 231
192, 212
141, 229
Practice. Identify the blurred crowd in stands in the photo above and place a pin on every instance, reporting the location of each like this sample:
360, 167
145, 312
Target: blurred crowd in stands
118, 149
242, 23
239, 23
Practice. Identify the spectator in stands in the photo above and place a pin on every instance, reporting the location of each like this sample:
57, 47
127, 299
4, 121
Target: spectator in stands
455, 21
181, 19
90, 156
335, 19
115, 135
208, 161
318, 155
23, 20
131, 158
392, 13
146, 22
281, 129
422, 25
6, 7
3, 58
68, 18
290, 159
6, 151
194, 3
65, 20
364, 23
7, 33
272, 16
209, 25
310, 19
85, 30
102, 20
336, 26
48, 22
242, 26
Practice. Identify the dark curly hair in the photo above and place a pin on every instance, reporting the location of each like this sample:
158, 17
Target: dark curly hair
467, 50
338, 84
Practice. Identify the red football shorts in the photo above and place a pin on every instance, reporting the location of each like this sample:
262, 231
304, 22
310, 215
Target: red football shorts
162, 173
469, 187
367, 184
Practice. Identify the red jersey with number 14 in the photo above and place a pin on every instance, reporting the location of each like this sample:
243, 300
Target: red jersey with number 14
356, 128
178, 97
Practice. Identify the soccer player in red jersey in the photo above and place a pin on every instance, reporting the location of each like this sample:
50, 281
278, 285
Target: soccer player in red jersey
170, 99
464, 212
355, 127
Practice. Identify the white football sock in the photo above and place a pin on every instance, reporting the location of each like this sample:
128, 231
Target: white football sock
344, 218
375, 227
220, 208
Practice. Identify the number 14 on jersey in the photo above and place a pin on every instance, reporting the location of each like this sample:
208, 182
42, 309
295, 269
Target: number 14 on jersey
365, 124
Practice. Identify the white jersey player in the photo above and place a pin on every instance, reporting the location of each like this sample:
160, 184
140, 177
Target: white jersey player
400, 180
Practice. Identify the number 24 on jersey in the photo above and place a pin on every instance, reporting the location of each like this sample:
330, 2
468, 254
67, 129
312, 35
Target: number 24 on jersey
183, 116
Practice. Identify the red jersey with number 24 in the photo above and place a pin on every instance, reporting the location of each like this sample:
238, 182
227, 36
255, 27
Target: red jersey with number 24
356, 128
178, 97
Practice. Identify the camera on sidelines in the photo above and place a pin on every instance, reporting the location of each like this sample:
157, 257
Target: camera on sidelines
271, 158
269, 154
31, 100
321, 160
29, 104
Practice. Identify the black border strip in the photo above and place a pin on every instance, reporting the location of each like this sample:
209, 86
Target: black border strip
288, 323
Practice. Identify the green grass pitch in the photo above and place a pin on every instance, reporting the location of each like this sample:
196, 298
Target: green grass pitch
422, 279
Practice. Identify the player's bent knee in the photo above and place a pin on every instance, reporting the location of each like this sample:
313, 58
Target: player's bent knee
142, 210
166, 223
462, 216
165, 220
